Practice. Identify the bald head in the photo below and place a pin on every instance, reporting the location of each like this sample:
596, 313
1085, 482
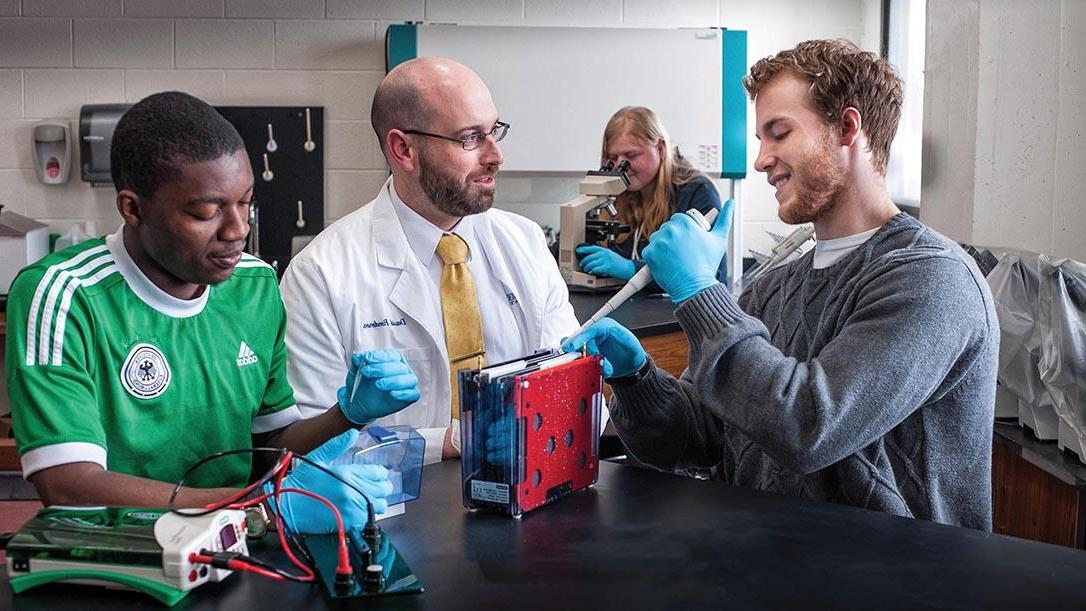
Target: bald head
422, 94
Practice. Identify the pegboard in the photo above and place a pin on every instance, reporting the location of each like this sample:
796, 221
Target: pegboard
296, 175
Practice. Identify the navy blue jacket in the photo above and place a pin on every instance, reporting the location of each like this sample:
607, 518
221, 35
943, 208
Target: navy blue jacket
699, 193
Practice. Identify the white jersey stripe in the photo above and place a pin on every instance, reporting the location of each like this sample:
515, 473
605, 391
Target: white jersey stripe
62, 315
252, 262
60, 284
39, 292
62, 454
275, 420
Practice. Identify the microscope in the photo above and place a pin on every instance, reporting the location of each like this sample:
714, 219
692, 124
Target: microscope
580, 223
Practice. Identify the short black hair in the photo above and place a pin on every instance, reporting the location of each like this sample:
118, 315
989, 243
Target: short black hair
162, 130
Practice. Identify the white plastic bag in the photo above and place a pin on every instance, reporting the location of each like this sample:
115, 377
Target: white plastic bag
1015, 284
74, 236
1062, 330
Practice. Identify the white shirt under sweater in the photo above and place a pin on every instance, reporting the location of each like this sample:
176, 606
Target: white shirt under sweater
828, 252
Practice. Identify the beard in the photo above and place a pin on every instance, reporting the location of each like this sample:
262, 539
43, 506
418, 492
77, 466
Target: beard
822, 187
451, 194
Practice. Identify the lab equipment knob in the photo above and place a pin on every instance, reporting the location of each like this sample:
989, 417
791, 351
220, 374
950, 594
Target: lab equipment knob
374, 581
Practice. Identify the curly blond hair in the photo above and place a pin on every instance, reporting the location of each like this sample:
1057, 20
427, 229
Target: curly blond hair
841, 76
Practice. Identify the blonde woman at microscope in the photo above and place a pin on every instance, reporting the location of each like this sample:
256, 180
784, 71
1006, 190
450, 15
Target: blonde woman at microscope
662, 182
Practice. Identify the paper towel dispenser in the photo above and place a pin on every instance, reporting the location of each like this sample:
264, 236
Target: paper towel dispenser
96, 125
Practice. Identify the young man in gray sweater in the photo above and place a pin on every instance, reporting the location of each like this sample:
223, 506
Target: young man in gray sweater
861, 373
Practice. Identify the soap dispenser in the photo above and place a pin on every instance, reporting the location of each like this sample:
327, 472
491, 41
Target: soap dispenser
52, 151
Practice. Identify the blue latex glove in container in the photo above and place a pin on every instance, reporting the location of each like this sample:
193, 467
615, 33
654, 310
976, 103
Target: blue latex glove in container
399, 449
600, 261
310, 516
684, 258
499, 441
379, 383
622, 353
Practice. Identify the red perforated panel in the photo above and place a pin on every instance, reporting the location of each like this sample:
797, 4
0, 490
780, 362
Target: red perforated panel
558, 410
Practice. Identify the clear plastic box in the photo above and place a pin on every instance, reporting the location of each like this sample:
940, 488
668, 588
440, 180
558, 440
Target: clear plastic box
398, 448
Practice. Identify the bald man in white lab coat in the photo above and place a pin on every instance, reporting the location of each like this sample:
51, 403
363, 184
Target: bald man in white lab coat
373, 279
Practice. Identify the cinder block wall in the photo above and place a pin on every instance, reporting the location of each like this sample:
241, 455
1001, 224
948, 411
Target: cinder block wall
56, 55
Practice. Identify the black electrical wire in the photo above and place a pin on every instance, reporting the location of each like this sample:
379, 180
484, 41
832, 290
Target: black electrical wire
268, 475
371, 516
252, 560
300, 550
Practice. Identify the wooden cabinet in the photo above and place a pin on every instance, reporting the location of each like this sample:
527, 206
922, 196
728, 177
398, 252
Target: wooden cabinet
9, 457
1037, 490
668, 351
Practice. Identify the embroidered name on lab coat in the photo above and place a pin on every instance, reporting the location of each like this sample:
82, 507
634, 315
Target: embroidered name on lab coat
384, 322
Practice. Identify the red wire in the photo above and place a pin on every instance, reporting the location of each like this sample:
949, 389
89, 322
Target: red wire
283, 462
343, 567
237, 565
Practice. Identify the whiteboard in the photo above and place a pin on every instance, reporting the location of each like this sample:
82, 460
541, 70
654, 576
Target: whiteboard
557, 87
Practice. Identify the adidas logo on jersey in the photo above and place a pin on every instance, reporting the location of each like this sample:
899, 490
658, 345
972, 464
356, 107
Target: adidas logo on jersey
246, 356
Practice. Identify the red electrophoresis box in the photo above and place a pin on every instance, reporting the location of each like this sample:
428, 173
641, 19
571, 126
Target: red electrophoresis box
530, 434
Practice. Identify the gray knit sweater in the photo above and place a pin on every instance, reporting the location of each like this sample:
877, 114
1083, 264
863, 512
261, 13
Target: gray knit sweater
870, 382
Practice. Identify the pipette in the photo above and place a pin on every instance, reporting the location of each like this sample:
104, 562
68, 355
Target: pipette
642, 277
780, 253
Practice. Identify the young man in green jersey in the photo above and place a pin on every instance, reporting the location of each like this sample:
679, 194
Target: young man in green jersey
133, 356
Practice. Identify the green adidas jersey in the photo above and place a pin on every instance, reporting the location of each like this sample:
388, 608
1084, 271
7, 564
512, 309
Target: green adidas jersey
105, 367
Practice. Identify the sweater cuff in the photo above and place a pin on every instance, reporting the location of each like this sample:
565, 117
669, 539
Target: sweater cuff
642, 398
709, 313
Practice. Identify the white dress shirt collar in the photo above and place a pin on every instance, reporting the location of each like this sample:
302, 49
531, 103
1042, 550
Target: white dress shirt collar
422, 235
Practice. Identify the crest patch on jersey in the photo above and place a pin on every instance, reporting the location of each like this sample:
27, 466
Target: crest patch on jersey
145, 373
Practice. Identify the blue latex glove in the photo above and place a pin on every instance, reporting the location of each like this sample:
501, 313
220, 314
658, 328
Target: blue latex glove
600, 261
684, 258
622, 353
305, 515
386, 384
499, 441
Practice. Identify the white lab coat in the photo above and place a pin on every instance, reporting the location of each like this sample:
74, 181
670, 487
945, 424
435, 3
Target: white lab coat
358, 286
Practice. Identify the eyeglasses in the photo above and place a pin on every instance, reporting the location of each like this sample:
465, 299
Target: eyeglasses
471, 141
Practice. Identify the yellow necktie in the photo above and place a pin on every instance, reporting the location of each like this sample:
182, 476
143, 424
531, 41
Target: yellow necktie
460, 312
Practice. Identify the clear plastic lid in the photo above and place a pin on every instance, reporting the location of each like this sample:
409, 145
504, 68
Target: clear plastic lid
400, 449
